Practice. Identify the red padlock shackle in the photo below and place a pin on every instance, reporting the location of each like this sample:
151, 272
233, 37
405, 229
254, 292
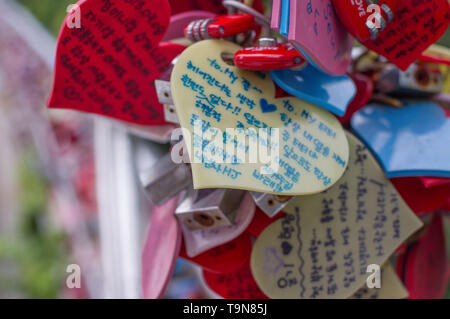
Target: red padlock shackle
434, 59
219, 27
269, 57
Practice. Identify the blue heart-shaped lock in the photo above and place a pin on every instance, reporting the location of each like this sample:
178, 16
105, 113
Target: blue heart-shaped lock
409, 141
333, 93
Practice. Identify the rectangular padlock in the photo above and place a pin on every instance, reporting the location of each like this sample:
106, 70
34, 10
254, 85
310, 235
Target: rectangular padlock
269, 203
210, 208
416, 81
165, 97
166, 179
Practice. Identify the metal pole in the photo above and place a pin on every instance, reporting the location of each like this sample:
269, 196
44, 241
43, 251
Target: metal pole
119, 211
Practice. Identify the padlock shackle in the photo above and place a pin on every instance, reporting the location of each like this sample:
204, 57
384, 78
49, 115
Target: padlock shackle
259, 18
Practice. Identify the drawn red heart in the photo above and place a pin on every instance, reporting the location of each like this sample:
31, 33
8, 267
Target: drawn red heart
108, 66
223, 259
417, 25
237, 285
424, 265
420, 198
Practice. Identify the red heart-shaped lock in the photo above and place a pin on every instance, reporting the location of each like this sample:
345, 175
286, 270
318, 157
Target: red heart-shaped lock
210, 5
446, 206
416, 26
178, 6
419, 198
214, 6
358, 16
430, 182
236, 285
108, 66
260, 222
424, 265
206, 5
364, 90
223, 259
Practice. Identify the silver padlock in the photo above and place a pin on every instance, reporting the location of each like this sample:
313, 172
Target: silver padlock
166, 179
271, 204
416, 81
165, 98
209, 208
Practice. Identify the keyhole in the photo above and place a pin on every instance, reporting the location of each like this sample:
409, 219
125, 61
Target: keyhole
203, 219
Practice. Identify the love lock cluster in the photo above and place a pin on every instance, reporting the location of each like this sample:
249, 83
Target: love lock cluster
297, 159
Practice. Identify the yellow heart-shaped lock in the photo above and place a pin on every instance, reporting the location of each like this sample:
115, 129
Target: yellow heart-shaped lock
240, 136
325, 244
391, 287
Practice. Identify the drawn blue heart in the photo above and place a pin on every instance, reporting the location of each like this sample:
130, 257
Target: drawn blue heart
333, 93
409, 141
266, 107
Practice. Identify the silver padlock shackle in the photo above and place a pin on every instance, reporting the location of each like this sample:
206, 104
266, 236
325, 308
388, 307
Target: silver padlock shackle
259, 18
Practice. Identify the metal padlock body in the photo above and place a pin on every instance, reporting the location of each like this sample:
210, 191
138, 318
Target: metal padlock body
263, 58
165, 98
271, 204
165, 179
417, 80
357, 16
209, 208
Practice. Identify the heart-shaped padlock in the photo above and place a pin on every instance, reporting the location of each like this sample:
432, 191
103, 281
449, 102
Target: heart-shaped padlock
416, 26
109, 65
236, 285
161, 250
424, 264
213, 98
315, 29
410, 141
322, 247
365, 19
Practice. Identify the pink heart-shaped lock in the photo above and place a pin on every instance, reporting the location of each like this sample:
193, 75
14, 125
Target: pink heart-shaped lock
161, 250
